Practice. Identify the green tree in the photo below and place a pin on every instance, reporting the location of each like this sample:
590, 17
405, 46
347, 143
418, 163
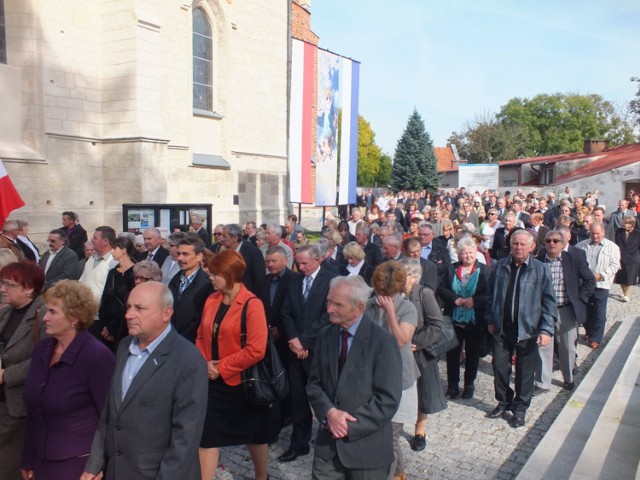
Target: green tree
486, 140
634, 105
414, 164
369, 154
559, 123
383, 176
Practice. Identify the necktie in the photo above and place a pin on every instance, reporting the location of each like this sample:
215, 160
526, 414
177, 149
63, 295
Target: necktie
344, 349
150, 256
307, 286
184, 282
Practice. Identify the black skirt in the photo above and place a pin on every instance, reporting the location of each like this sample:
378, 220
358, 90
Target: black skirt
230, 421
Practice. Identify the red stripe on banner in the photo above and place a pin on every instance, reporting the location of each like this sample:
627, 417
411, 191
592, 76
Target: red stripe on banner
307, 121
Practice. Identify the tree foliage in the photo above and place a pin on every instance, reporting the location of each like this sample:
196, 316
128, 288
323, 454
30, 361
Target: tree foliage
414, 165
634, 105
542, 125
383, 177
369, 154
486, 140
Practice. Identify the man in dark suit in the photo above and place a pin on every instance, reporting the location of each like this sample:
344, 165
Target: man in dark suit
326, 248
197, 223
502, 238
152, 421
59, 262
75, 233
354, 388
431, 248
391, 248
521, 215
538, 229
272, 290
190, 287
412, 249
573, 286
153, 243
303, 315
232, 240
373, 254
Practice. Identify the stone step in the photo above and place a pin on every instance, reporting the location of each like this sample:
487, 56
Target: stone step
600, 424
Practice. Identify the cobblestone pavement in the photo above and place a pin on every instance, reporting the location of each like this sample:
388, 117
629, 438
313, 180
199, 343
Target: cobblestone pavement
461, 442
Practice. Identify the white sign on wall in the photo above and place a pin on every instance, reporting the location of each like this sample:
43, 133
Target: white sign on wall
478, 177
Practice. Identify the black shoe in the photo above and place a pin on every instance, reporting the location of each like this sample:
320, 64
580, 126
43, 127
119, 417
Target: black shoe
419, 443
453, 392
290, 455
467, 392
568, 385
517, 421
498, 411
539, 390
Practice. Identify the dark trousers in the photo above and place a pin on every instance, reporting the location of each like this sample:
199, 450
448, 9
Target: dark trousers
301, 417
526, 360
281, 411
597, 314
471, 336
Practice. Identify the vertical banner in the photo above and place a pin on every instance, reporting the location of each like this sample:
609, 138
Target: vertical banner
300, 121
326, 153
349, 80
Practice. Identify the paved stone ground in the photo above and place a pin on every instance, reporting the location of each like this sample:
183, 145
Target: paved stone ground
461, 442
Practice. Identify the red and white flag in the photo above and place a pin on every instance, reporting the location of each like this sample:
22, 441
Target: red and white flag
10, 199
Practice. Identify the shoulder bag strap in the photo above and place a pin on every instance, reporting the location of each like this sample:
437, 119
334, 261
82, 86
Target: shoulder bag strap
243, 323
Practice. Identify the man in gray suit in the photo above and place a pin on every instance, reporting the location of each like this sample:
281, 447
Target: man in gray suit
152, 422
59, 262
354, 388
170, 266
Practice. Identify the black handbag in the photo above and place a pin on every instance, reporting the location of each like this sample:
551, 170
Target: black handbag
447, 340
264, 383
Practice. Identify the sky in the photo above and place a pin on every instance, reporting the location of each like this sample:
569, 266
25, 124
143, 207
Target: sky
458, 60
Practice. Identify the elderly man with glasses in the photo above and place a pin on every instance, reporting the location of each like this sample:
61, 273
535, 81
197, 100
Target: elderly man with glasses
573, 284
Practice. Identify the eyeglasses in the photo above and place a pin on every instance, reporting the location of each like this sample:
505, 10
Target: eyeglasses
8, 284
552, 240
492, 213
217, 234
140, 278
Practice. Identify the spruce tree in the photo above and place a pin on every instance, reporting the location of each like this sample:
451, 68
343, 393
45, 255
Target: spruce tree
414, 164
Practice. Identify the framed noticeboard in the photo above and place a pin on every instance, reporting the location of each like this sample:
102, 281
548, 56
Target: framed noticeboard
172, 216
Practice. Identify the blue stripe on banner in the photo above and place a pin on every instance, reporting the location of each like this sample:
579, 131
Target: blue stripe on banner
353, 151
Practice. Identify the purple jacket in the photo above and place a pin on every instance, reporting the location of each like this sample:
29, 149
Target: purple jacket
64, 401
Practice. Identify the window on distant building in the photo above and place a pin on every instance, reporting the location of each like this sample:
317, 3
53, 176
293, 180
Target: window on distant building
546, 175
3, 36
202, 62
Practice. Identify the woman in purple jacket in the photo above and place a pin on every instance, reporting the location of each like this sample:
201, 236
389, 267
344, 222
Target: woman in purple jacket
66, 387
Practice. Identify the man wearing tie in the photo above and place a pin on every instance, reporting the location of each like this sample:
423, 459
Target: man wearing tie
354, 388
304, 313
155, 250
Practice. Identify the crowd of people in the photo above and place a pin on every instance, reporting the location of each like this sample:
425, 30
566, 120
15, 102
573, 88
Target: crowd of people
123, 355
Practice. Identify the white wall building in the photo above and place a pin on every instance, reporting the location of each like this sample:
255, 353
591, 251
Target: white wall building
106, 102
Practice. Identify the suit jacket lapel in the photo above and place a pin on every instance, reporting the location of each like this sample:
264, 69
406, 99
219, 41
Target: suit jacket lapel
150, 367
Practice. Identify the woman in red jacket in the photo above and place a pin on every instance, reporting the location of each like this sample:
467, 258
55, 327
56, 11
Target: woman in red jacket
230, 420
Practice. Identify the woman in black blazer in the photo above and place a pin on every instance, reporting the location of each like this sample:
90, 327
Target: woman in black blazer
463, 292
